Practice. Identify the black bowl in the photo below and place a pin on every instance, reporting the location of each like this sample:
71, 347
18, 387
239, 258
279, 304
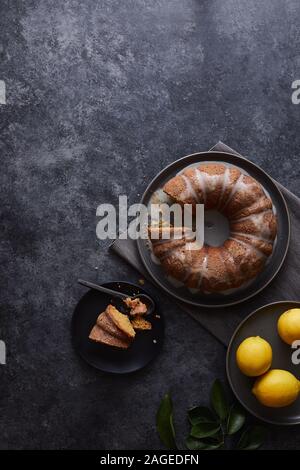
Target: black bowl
263, 322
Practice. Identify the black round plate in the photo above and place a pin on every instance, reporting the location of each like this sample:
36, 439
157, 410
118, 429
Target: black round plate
263, 322
144, 348
280, 248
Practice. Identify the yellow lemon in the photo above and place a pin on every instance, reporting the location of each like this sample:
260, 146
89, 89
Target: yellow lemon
289, 325
254, 356
276, 388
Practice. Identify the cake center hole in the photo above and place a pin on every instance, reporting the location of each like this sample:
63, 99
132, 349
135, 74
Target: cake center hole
216, 228
209, 224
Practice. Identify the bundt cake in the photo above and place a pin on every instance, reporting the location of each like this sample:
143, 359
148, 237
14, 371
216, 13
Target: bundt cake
252, 223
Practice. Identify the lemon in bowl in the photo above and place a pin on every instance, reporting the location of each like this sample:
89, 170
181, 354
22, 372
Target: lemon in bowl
254, 356
277, 388
288, 325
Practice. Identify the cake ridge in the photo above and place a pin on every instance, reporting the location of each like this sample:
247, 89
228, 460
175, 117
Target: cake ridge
248, 245
233, 191
189, 187
201, 179
225, 177
250, 235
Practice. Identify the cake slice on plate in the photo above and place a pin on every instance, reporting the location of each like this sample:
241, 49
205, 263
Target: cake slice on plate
121, 321
139, 323
106, 323
137, 307
113, 329
99, 335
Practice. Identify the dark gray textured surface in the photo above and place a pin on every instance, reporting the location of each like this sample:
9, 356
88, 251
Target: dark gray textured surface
100, 96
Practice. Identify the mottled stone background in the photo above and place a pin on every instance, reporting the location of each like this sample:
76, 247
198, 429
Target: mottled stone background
101, 95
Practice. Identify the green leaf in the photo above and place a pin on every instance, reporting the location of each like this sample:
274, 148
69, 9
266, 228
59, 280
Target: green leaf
252, 438
204, 430
218, 400
201, 414
164, 422
236, 419
196, 444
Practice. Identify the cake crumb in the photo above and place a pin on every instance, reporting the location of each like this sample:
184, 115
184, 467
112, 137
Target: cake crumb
137, 307
139, 323
141, 282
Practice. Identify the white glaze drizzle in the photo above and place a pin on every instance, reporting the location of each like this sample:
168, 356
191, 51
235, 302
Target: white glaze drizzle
249, 247
226, 177
212, 181
201, 181
260, 209
254, 237
233, 191
189, 191
202, 271
261, 224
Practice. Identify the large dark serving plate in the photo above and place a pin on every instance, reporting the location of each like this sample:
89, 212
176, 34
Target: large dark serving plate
144, 348
263, 322
274, 263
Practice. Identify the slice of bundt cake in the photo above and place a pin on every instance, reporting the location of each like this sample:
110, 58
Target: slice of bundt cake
99, 335
121, 321
106, 323
137, 307
139, 323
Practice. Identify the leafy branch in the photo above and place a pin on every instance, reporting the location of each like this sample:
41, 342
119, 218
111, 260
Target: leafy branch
211, 428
